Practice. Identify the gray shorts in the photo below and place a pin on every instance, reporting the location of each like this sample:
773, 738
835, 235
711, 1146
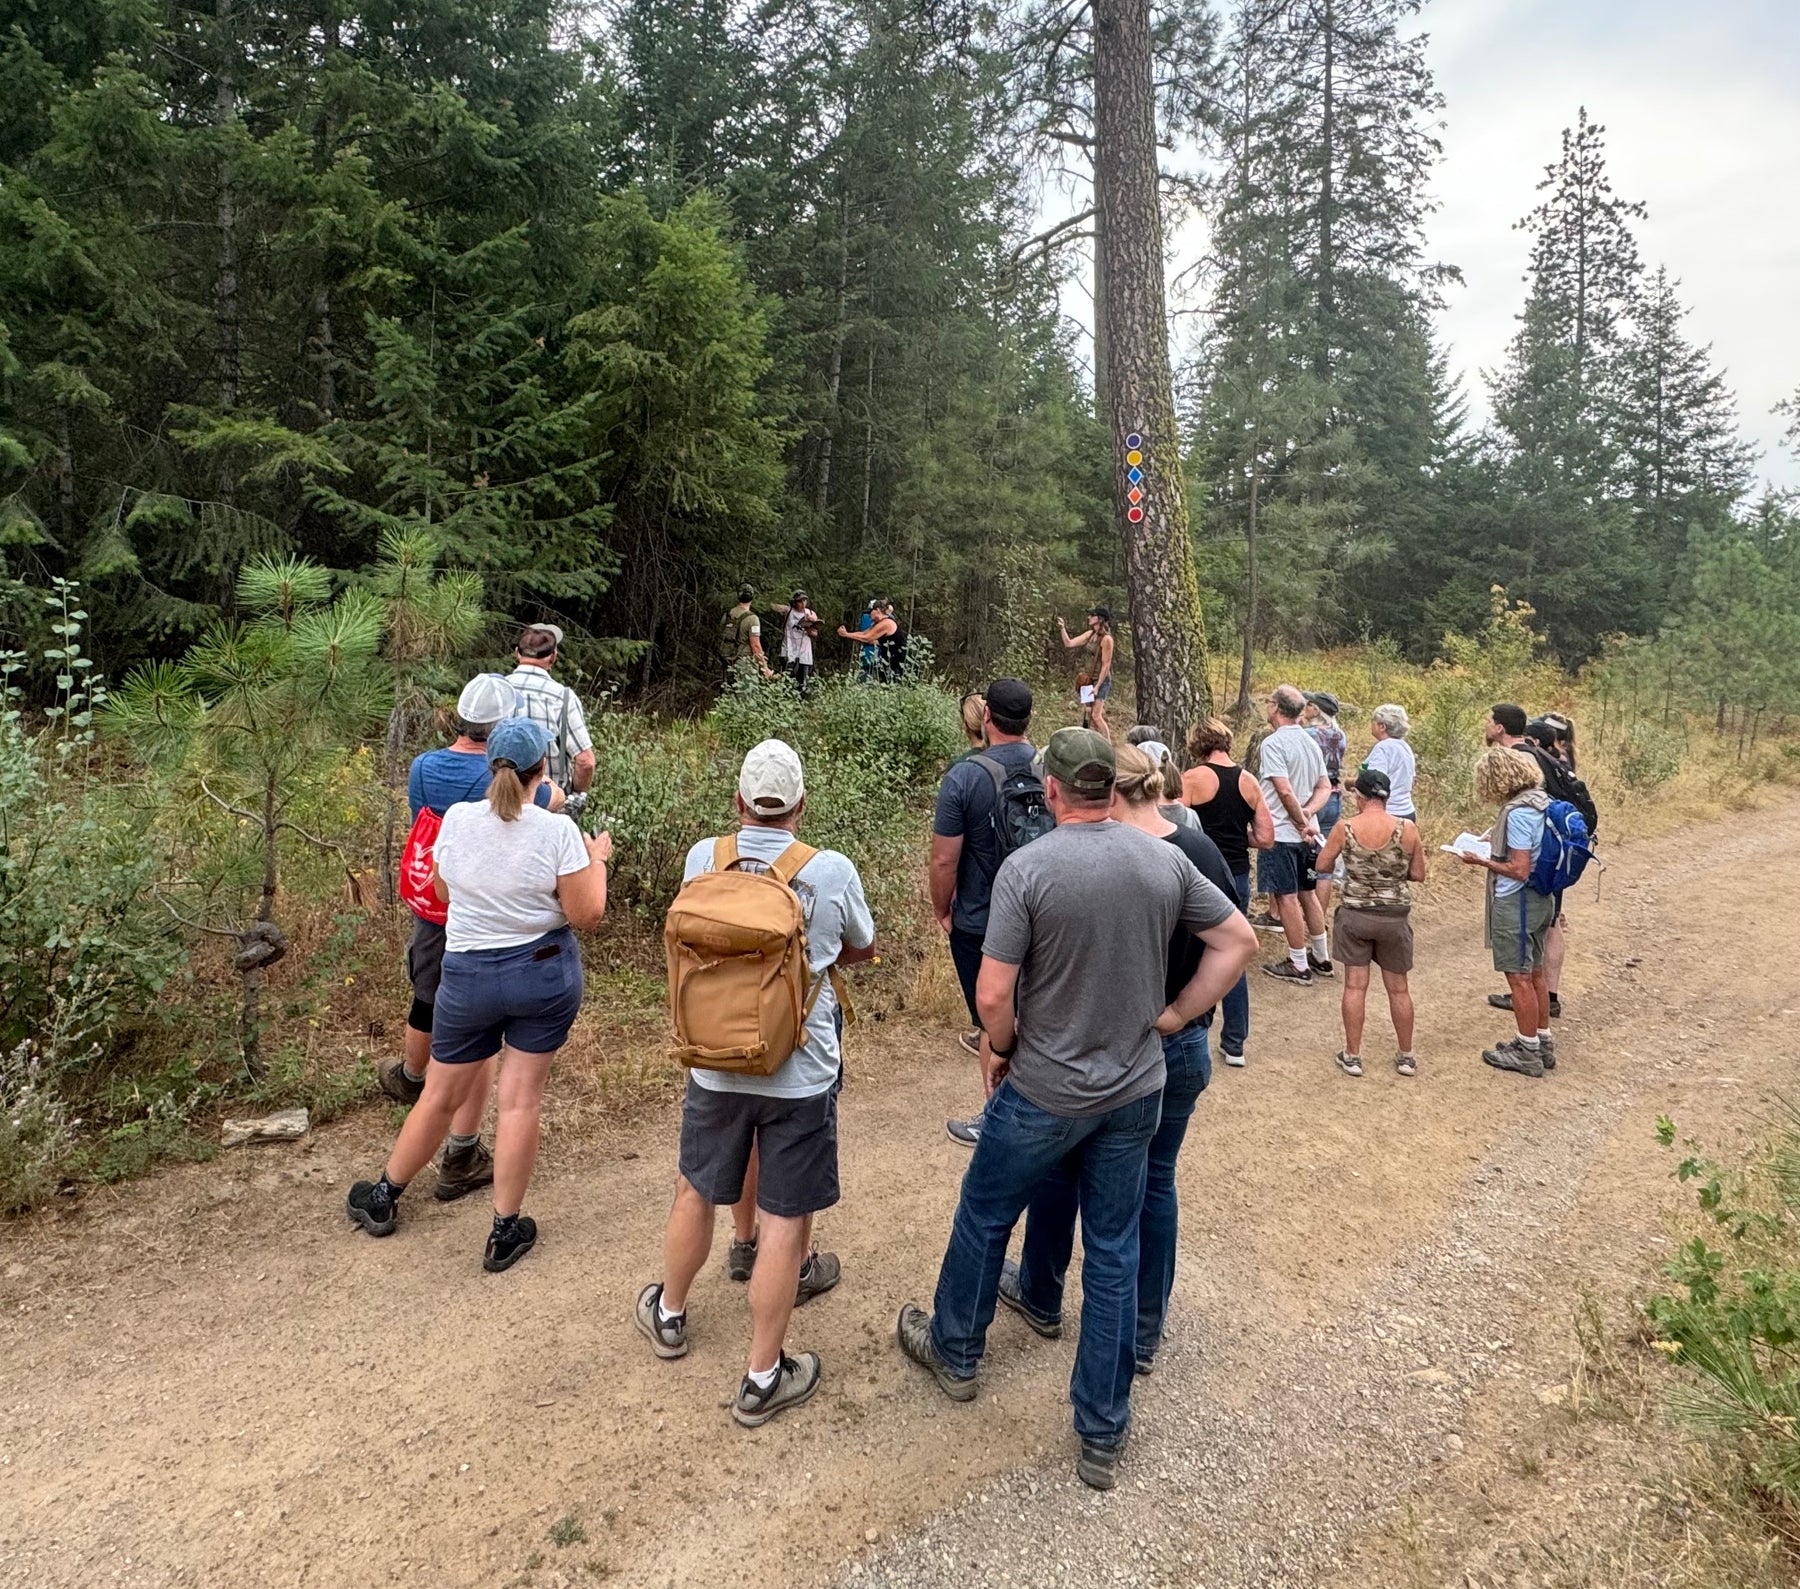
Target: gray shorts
1373, 937
796, 1141
425, 959
1516, 926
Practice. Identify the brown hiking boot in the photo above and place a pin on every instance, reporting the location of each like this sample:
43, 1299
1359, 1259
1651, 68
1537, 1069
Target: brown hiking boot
397, 1084
464, 1172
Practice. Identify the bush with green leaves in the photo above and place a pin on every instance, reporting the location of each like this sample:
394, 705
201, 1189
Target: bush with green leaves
35, 1131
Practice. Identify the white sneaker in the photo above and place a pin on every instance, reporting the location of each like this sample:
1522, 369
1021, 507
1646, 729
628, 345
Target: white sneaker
1236, 1061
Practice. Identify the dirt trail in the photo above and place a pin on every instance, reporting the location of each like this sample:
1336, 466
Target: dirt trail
210, 1379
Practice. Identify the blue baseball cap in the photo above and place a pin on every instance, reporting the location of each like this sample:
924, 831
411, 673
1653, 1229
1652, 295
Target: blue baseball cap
521, 740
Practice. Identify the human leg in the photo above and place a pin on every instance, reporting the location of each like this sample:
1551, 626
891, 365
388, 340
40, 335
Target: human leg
1523, 987
1049, 1240
965, 955
743, 1211
1189, 1061
781, 1249
1235, 1008
1556, 945
516, 1129
687, 1239
448, 1089
1355, 1004
1293, 921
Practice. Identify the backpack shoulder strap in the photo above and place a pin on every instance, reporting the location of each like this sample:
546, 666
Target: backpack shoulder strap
994, 771
787, 865
725, 852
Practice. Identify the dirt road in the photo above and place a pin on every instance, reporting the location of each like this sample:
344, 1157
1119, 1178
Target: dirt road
210, 1379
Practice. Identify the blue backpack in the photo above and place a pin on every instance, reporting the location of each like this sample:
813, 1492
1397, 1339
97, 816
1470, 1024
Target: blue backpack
1567, 848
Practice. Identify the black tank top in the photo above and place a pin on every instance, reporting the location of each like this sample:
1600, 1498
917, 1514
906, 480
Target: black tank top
1225, 819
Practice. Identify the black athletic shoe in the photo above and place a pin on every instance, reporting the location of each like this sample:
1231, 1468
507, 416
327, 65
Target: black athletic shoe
1319, 968
508, 1242
1287, 971
740, 1259
1098, 1466
370, 1205
1050, 1328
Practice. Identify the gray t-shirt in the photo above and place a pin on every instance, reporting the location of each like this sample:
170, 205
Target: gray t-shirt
1290, 753
1086, 913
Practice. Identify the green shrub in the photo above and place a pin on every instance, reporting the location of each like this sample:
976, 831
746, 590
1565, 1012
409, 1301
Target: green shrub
1648, 757
35, 1132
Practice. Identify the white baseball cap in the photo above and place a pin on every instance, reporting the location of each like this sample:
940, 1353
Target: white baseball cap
772, 783
487, 698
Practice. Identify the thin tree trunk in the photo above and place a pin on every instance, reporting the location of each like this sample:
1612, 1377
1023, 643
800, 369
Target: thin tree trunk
1241, 707
225, 287
868, 445
1168, 627
823, 498
1327, 197
65, 474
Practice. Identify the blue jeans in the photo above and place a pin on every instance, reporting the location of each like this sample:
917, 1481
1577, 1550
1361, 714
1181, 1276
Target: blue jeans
1104, 1157
1330, 812
1050, 1226
1235, 1006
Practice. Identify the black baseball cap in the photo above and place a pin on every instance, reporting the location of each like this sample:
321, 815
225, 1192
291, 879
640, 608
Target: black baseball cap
1009, 698
746, 592
1325, 701
1373, 782
1102, 613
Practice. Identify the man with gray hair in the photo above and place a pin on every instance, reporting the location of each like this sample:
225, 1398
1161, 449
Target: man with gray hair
1388, 727
1295, 787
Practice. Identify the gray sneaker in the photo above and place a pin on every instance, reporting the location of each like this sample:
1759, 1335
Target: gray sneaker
798, 1379
970, 1042
818, 1274
1287, 971
1049, 1328
966, 1132
1508, 1055
1547, 1050
1406, 1064
667, 1337
913, 1332
1349, 1064
740, 1258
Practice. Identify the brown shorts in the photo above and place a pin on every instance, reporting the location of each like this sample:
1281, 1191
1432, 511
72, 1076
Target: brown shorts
1370, 937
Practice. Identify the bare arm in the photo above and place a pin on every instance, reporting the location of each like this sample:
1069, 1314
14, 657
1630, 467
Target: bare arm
945, 854
1262, 825
1284, 792
1199, 784
583, 894
1230, 947
1321, 793
995, 986
581, 775
1415, 850
848, 956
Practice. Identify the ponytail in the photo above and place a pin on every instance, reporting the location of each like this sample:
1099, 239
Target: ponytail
1137, 778
509, 788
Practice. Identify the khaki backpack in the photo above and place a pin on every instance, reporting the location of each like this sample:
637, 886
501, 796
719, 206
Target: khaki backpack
740, 985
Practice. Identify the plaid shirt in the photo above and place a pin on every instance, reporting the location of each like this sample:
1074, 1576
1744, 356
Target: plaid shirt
545, 701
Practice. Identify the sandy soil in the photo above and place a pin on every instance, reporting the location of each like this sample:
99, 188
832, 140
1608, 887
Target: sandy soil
211, 1379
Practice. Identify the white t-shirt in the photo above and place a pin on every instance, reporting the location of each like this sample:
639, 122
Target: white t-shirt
796, 643
502, 875
1290, 753
1395, 758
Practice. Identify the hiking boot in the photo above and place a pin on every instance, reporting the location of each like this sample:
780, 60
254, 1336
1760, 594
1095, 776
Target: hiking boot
1143, 1366
1234, 1057
740, 1258
970, 1042
667, 1337
1547, 1050
1508, 1055
397, 1084
508, 1242
1320, 968
1349, 1064
798, 1379
462, 1173
1049, 1328
913, 1333
1287, 971
1098, 1466
1503, 1001
967, 1132
1406, 1064
818, 1274
371, 1206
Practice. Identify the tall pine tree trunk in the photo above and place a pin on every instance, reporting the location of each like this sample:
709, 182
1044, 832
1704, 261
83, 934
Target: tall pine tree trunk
823, 500
1241, 707
1168, 628
1102, 337
225, 288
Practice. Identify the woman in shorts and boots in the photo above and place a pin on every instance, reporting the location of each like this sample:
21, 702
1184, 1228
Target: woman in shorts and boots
1097, 667
1382, 859
1228, 801
1518, 917
517, 880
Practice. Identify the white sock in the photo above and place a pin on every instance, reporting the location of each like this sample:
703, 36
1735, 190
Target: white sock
663, 1315
1321, 946
1543, 1033
1298, 956
762, 1379
1528, 1042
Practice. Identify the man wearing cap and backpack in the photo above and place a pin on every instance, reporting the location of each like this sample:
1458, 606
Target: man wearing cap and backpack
1073, 1008
437, 780
988, 806
753, 941
553, 706
740, 638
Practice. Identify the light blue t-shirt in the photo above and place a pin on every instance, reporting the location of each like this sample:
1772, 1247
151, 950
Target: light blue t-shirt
831, 895
1524, 831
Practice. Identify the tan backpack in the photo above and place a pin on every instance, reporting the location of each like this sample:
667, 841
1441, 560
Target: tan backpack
740, 985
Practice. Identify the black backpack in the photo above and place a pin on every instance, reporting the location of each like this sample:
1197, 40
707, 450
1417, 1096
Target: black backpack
1562, 784
1021, 808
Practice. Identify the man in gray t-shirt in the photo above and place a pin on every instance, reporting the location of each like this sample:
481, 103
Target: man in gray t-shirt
1078, 935
1295, 788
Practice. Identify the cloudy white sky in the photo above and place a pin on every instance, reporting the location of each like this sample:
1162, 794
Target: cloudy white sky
1701, 102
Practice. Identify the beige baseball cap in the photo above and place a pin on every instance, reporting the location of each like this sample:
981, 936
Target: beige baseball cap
771, 782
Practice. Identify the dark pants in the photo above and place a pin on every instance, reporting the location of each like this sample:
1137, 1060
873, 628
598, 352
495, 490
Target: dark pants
965, 955
1050, 1225
1234, 1009
1105, 1156
802, 672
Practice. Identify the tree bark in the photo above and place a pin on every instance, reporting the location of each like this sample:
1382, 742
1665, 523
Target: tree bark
1168, 627
1241, 708
225, 290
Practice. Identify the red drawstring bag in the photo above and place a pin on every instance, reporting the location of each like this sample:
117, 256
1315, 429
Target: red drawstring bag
416, 860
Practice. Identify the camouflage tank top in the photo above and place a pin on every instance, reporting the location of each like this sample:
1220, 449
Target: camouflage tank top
1376, 880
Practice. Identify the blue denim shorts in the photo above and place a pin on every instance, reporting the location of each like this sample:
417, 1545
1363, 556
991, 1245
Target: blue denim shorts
1278, 869
526, 997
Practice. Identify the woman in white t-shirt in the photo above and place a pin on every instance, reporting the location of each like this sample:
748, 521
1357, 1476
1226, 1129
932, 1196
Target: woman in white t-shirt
1390, 754
517, 879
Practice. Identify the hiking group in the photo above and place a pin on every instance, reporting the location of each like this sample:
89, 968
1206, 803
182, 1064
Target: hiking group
1095, 900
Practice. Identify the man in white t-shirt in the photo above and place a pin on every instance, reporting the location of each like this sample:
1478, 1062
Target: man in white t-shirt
1295, 787
768, 1140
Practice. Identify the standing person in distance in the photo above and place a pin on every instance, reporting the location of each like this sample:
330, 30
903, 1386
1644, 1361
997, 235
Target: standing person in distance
1382, 858
1393, 757
1229, 804
1097, 641
1320, 719
436, 781
987, 806
1518, 918
740, 638
1148, 738
517, 881
783, 1122
1033, 1288
876, 626
799, 628
1073, 1010
554, 706
1295, 789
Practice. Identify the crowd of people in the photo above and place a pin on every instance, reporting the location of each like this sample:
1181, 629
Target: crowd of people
1096, 903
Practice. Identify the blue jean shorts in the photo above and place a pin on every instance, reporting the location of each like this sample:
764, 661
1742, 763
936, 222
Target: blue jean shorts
1278, 869
526, 997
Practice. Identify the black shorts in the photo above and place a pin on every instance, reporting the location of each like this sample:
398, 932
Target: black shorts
796, 1139
425, 960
